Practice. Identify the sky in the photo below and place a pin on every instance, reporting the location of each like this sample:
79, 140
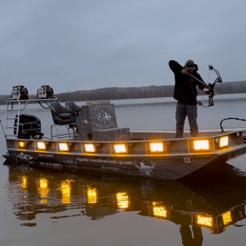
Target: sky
82, 45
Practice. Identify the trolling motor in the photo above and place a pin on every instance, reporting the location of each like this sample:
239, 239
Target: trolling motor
45, 92
19, 92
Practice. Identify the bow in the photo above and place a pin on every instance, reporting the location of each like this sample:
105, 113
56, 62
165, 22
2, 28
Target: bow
210, 86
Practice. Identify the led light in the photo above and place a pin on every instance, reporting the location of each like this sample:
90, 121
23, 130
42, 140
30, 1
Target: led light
22, 144
201, 145
224, 141
63, 146
227, 218
160, 211
122, 200
205, 220
120, 148
89, 147
41, 145
156, 147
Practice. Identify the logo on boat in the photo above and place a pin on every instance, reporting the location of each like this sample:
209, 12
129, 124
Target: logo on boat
146, 167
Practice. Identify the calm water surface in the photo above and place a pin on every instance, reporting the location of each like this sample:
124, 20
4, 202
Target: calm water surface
40, 207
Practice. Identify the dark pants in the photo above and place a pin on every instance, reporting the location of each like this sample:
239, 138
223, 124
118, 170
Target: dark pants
181, 111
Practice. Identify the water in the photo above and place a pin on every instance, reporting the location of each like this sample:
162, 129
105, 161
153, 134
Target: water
40, 207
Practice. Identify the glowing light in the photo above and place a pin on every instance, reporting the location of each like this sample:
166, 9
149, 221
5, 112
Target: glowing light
224, 141
89, 148
122, 200
63, 146
66, 190
24, 182
227, 218
43, 189
156, 147
160, 211
22, 144
120, 148
205, 220
92, 195
201, 145
41, 145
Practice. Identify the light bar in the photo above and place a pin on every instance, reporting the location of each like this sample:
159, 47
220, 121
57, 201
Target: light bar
201, 145
205, 220
89, 147
22, 144
156, 147
63, 146
120, 148
224, 141
41, 146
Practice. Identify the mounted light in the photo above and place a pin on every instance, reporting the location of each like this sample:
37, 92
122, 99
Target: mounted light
227, 218
120, 148
224, 141
156, 147
41, 146
22, 144
201, 145
89, 148
204, 220
63, 146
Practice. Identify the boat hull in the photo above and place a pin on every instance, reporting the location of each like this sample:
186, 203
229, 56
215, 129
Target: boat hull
168, 168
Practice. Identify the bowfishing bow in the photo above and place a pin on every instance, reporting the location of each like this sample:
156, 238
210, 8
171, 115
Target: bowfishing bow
209, 86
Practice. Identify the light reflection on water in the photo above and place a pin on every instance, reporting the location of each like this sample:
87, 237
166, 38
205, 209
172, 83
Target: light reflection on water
106, 210
211, 202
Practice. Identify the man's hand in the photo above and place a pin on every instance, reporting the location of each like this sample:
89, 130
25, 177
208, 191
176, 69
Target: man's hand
185, 71
206, 90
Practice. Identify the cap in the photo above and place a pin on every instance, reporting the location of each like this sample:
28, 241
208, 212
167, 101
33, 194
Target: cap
190, 64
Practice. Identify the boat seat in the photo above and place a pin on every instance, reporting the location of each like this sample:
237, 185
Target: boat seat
61, 115
73, 108
97, 122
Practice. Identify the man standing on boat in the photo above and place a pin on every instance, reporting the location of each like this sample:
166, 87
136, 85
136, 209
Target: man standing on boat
185, 93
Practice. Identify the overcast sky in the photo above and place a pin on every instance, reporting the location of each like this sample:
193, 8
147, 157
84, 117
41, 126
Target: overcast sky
88, 44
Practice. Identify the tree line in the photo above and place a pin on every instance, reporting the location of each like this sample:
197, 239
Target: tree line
114, 93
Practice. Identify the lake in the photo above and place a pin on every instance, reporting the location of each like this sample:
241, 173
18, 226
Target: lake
41, 207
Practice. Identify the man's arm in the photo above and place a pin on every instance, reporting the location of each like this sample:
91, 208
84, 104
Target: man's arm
175, 66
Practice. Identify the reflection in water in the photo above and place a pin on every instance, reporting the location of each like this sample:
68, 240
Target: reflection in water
213, 203
24, 182
122, 200
92, 195
66, 190
43, 189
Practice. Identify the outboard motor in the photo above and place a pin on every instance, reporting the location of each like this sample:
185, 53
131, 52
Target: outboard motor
19, 92
45, 92
29, 126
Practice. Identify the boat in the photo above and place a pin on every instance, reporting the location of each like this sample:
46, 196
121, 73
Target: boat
87, 139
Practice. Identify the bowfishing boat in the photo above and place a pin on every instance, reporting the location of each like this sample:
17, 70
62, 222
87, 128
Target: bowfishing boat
87, 138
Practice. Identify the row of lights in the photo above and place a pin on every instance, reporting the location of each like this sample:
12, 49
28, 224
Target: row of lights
155, 147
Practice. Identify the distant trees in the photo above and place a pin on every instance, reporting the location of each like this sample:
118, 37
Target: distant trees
114, 93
